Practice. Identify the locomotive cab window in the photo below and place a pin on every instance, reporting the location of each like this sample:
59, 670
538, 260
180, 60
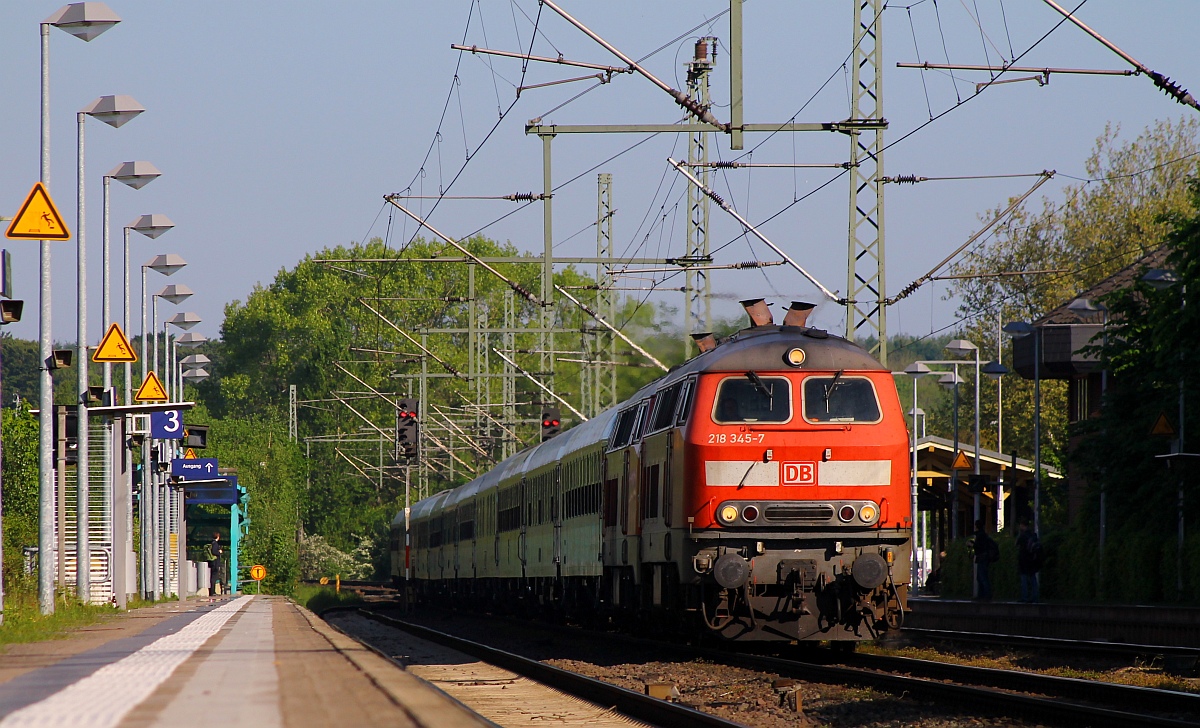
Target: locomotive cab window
624, 428
753, 399
841, 399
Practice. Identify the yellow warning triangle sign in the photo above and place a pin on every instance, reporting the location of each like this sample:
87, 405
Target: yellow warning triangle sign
961, 462
114, 347
152, 390
189, 454
38, 218
1162, 426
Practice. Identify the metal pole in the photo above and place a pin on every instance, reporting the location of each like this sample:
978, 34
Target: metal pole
999, 424
975, 470
125, 320
154, 322
954, 471
83, 557
1037, 431
735, 76
46, 383
916, 556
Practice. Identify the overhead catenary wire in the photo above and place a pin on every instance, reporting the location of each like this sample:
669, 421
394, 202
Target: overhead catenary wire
910, 288
682, 169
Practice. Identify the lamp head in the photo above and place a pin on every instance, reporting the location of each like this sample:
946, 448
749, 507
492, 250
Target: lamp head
135, 174
961, 347
949, 380
152, 225
184, 319
114, 110
917, 369
994, 370
1161, 278
1018, 329
191, 338
175, 293
165, 264
84, 20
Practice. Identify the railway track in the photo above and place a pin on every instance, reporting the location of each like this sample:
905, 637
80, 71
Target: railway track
1033, 696
610, 698
1118, 649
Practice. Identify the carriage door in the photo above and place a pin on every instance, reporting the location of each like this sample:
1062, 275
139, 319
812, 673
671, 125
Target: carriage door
556, 513
523, 536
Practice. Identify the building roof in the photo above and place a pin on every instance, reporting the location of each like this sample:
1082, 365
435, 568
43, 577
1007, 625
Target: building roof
1123, 278
944, 449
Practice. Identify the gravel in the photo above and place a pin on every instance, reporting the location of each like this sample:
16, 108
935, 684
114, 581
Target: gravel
746, 696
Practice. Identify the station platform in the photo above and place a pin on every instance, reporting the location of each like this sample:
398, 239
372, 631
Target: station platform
233, 661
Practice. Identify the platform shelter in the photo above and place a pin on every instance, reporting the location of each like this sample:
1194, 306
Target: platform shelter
946, 495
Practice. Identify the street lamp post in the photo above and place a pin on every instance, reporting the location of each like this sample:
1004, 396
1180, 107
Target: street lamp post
951, 380
167, 264
916, 370
136, 175
961, 347
85, 20
1021, 329
114, 111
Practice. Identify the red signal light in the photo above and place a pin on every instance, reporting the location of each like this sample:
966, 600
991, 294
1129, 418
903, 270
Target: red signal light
546, 423
554, 423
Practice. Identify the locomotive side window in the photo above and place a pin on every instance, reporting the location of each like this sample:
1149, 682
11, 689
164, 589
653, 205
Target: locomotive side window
624, 429
664, 410
685, 402
757, 399
841, 399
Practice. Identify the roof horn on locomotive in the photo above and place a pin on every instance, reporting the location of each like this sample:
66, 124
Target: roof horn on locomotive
798, 313
758, 311
705, 341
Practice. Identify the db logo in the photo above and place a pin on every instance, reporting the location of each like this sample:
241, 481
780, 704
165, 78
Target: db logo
799, 473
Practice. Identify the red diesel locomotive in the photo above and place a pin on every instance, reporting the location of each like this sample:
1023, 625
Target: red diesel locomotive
759, 491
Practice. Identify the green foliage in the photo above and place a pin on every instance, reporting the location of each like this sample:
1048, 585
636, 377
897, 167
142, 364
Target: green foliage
348, 327
24, 622
20, 492
319, 598
1097, 229
272, 470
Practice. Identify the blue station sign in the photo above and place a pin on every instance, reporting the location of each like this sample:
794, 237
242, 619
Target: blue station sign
198, 469
167, 425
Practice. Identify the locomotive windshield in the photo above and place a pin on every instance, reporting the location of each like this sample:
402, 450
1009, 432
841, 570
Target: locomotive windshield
840, 399
763, 399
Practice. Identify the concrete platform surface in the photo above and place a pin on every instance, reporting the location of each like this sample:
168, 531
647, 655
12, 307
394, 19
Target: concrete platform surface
260, 661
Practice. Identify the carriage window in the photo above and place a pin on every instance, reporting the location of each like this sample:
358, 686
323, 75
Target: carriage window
763, 399
840, 399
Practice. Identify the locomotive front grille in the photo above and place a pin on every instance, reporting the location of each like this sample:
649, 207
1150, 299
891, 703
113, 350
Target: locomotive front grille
798, 513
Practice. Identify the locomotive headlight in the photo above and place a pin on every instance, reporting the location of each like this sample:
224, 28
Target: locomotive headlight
794, 357
750, 513
728, 514
846, 514
868, 513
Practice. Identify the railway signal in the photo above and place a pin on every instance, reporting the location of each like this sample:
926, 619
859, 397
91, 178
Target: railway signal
408, 429
551, 423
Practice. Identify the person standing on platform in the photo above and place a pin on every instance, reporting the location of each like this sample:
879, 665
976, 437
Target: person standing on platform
1029, 562
217, 565
986, 552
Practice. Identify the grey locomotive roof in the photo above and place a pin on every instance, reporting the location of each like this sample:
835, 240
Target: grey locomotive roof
760, 348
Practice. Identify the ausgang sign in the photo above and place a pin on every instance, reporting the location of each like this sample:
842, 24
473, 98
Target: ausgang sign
198, 469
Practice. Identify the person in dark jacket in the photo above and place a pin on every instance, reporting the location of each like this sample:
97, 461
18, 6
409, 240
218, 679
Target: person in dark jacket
1029, 562
986, 551
217, 565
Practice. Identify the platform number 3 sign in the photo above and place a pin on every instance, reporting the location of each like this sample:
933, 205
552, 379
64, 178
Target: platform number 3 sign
166, 425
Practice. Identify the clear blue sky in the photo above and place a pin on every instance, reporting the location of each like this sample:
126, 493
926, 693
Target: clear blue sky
279, 127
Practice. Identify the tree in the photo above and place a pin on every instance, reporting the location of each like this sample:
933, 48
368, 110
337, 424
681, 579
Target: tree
1135, 189
1152, 360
